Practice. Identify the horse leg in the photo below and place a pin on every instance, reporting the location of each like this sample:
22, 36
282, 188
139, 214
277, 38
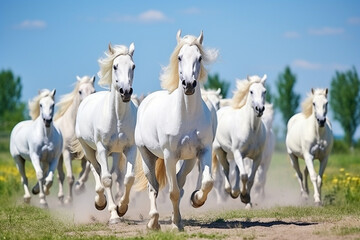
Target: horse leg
221, 157
83, 176
69, 174
130, 154
118, 167
323, 164
186, 167
313, 176
306, 174
255, 166
106, 181
244, 193
148, 164
40, 176
174, 191
61, 177
50, 175
218, 183
20, 164
295, 164
199, 197
100, 199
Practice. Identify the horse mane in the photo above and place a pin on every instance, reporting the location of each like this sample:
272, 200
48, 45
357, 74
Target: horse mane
106, 64
67, 99
306, 105
242, 90
206, 92
34, 104
170, 74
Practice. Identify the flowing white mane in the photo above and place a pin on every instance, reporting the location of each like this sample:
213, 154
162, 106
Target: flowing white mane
307, 104
106, 64
242, 90
170, 74
66, 100
34, 104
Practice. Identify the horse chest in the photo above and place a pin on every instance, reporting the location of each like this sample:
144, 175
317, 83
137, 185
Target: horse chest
318, 148
188, 145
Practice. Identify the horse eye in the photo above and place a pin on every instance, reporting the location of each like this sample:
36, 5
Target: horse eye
179, 58
80, 92
265, 92
251, 92
200, 58
40, 105
115, 67
133, 67
313, 104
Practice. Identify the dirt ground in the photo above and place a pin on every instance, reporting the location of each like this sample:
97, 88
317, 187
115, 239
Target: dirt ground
282, 190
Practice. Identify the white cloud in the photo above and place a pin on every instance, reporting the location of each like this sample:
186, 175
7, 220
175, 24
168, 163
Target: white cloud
354, 20
192, 11
291, 35
326, 31
306, 64
149, 16
31, 24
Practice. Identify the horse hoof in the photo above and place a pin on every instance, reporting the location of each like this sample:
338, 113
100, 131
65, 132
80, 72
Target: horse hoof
79, 188
27, 200
248, 206
35, 190
101, 207
68, 201
318, 204
121, 213
114, 221
245, 198
61, 199
192, 200
234, 194
44, 205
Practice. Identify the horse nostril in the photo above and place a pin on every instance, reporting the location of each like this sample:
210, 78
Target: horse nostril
263, 109
183, 83
256, 108
194, 84
131, 91
121, 90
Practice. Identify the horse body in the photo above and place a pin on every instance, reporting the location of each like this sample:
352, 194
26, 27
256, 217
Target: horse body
65, 121
40, 141
177, 124
310, 137
241, 134
105, 126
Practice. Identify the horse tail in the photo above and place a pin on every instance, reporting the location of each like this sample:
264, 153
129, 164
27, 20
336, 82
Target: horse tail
141, 180
76, 148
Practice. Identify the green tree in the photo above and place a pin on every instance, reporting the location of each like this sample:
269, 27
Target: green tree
215, 83
11, 108
287, 101
345, 102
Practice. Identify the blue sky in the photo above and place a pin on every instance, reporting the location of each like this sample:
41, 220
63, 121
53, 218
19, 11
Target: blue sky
48, 43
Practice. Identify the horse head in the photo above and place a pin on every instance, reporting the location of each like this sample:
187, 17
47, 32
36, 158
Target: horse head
189, 63
257, 94
47, 108
86, 86
123, 73
320, 104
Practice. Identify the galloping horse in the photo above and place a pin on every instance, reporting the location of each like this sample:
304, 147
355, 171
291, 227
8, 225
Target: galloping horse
241, 134
105, 125
64, 119
309, 137
176, 124
40, 141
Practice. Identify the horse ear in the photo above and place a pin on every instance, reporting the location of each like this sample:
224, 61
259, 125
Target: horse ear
312, 91
201, 37
131, 49
326, 91
248, 78
93, 79
78, 78
111, 50
178, 36
264, 79
53, 93
218, 91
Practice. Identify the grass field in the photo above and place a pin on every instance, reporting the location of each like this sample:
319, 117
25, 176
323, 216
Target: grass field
338, 218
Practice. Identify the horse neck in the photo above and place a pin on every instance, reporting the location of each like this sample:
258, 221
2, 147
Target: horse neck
188, 105
117, 107
253, 120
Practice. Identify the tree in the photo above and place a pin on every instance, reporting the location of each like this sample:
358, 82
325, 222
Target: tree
215, 83
345, 102
11, 108
287, 101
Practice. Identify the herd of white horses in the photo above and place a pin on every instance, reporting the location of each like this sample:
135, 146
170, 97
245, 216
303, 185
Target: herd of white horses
159, 140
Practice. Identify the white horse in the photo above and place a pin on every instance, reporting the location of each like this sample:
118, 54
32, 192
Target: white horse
241, 134
309, 136
64, 120
176, 124
40, 141
105, 125
261, 173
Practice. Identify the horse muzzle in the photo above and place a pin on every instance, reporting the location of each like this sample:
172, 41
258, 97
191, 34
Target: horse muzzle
259, 111
321, 122
47, 122
189, 88
125, 94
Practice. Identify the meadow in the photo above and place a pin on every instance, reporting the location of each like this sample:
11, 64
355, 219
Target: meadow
281, 215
